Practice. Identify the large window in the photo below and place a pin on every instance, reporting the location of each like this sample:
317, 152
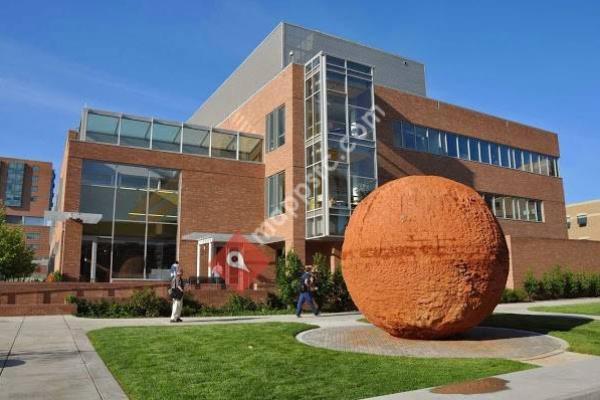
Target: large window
276, 194
139, 208
516, 208
414, 137
276, 128
13, 195
148, 133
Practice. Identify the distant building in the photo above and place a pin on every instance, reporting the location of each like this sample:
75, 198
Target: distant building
583, 220
26, 190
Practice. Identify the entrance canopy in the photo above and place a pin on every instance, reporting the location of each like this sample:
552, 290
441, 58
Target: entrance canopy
86, 218
224, 237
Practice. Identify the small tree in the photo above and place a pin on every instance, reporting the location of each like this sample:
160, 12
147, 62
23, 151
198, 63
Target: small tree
339, 299
15, 256
322, 274
289, 270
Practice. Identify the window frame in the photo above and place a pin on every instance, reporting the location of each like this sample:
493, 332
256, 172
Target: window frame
273, 185
275, 128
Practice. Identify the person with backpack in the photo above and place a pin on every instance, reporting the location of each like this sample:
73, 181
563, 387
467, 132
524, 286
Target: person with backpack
176, 293
307, 287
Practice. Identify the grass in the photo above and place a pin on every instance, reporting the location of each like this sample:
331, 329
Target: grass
584, 309
247, 361
582, 334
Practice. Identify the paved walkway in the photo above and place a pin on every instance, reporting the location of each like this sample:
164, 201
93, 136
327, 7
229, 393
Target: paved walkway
51, 358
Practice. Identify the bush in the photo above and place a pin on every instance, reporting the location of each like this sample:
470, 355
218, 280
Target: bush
289, 270
146, 303
322, 274
237, 303
339, 299
562, 283
514, 296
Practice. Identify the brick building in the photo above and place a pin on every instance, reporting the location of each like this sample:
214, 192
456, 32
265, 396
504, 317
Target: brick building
282, 152
27, 191
583, 220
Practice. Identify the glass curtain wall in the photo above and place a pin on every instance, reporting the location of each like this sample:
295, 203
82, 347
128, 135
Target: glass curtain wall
139, 208
13, 195
149, 133
340, 147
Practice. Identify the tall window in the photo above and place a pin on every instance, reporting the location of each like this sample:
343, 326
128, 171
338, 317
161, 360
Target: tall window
276, 194
276, 128
13, 196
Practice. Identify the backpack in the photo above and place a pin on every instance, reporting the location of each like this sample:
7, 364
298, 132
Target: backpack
309, 284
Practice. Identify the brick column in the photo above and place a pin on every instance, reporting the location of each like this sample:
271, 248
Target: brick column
71, 247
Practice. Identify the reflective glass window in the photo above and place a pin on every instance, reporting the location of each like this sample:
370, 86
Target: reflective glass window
485, 152
473, 149
135, 133
224, 144
338, 185
360, 187
359, 92
435, 141
337, 224
276, 194
518, 159
275, 124
166, 137
421, 138
336, 82
451, 145
505, 156
337, 150
463, 147
361, 123
495, 154
102, 128
336, 113
250, 148
362, 162
195, 141
408, 135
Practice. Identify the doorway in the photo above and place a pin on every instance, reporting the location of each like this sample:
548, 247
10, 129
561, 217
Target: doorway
95, 259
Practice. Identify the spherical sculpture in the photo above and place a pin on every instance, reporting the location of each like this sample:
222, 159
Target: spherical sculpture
424, 257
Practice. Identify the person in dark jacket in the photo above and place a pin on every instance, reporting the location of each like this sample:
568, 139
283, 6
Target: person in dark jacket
307, 287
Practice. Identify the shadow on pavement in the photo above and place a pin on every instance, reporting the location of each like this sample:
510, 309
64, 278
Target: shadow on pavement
536, 323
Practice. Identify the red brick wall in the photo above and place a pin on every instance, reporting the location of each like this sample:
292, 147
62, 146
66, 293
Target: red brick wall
539, 255
285, 89
394, 162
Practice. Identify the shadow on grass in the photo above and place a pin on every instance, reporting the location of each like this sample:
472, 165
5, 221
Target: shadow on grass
544, 324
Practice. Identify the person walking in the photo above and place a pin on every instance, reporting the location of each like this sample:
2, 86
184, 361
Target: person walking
176, 292
307, 287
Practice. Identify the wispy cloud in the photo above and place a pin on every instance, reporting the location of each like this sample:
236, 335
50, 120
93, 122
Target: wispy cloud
26, 69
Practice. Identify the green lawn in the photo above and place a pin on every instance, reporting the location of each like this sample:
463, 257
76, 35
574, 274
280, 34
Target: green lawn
582, 334
265, 361
585, 309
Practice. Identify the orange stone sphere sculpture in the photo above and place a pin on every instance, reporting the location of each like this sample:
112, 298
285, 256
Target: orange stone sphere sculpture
424, 257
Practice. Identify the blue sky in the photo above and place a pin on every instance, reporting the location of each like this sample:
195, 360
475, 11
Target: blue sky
535, 62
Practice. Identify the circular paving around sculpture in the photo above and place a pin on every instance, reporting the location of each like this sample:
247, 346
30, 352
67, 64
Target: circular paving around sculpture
479, 342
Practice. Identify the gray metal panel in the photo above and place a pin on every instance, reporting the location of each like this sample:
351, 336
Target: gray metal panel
258, 68
269, 58
390, 70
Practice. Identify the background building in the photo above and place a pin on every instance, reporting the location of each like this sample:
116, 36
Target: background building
27, 190
328, 120
583, 220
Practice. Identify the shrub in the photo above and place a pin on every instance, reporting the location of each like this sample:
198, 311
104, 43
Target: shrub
237, 303
339, 298
514, 296
562, 283
322, 274
146, 303
289, 270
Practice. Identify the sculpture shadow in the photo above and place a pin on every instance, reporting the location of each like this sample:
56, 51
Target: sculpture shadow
11, 362
542, 324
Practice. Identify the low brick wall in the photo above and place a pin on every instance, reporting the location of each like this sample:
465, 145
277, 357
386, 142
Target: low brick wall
539, 255
34, 298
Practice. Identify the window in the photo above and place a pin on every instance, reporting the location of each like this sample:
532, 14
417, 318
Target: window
336, 113
397, 128
102, 128
568, 222
408, 135
33, 221
34, 199
451, 145
518, 159
224, 144
276, 128
463, 147
135, 133
196, 141
474, 150
35, 169
582, 220
421, 138
495, 154
276, 194
485, 152
436, 141
14, 219
250, 148
505, 157
166, 137
13, 195
34, 189
32, 236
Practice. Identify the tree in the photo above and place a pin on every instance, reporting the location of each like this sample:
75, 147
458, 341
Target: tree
289, 270
340, 299
15, 256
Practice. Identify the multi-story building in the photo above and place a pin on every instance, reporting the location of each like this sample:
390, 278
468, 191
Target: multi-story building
26, 190
326, 120
583, 220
